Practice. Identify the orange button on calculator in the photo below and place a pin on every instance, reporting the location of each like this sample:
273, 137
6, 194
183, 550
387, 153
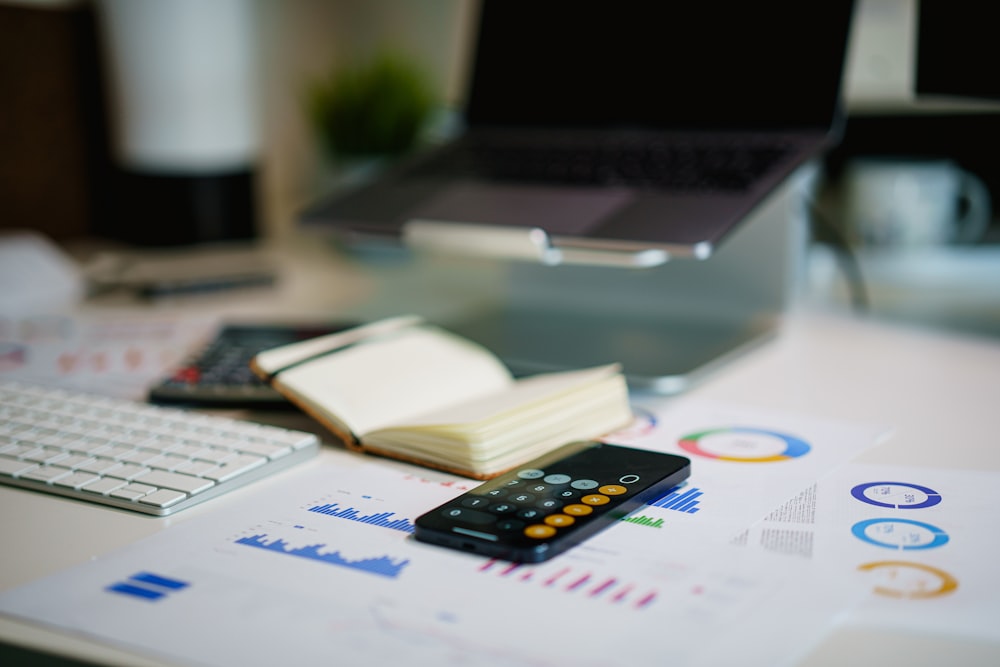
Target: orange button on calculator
539, 531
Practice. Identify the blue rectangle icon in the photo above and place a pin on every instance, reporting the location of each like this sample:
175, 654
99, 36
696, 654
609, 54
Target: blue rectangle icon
147, 586
157, 580
135, 591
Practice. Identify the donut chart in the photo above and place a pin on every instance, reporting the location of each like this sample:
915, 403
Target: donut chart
902, 534
744, 444
902, 579
896, 495
643, 423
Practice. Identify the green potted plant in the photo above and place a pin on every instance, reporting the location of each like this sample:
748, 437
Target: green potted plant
375, 110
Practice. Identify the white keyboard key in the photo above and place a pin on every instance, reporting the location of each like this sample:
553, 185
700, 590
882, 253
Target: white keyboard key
177, 481
235, 466
126, 471
131, 492
16, 449
75, 461
197, 468
117, 450
76, 480
170, 461
44, 455
104, 486
228, 442
186, 448
214, 454
301, 441
268, 449
45, 473
134, 438
92, 446
99, 465
15, 467
163, 498
59, 439
139, 456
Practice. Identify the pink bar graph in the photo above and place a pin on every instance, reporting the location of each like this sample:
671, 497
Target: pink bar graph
603, 587
608, 588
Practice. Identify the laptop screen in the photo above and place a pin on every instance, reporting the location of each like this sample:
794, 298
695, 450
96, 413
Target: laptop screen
691, 65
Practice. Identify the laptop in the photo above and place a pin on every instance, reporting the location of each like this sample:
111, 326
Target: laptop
611, 137
621, 127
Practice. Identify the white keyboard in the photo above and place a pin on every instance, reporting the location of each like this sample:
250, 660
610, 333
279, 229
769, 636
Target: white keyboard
132, 455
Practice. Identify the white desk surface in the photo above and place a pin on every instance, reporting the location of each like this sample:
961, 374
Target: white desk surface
941, 391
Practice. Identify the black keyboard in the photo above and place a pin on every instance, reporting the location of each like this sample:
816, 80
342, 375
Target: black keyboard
725, 166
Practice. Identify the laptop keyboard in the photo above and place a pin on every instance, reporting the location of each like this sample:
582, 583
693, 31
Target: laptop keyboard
649, 164
131, 455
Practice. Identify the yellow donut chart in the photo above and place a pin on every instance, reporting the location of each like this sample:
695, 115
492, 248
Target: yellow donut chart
911, 580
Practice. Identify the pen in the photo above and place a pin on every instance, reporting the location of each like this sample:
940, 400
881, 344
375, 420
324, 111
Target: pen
162, 288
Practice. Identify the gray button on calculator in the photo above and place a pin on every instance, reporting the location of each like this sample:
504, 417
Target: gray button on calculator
530, 473
557, 479
470, 515
584, 484
510, 524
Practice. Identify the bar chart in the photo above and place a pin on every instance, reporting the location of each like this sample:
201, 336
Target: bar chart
575, 580
679, 500
382, 519
385, 566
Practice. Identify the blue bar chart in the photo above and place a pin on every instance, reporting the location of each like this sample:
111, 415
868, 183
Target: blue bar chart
382, 519
680, 502
381, 565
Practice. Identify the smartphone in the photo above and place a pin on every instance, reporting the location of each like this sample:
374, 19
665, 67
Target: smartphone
548, 505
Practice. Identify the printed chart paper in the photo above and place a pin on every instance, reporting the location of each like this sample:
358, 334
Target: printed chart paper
111, 355
322, 566
922, 539
744, 461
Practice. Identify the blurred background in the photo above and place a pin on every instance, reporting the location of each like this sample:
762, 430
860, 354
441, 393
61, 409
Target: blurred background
96, 91
158, 123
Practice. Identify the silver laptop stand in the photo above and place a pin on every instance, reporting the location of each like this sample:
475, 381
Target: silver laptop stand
668, 321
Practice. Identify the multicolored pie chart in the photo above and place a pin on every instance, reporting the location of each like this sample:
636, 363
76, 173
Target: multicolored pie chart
744, 444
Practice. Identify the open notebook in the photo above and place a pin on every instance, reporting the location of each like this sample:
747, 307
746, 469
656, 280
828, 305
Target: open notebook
406, 389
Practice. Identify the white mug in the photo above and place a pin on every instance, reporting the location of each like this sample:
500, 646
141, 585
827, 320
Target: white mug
902, 203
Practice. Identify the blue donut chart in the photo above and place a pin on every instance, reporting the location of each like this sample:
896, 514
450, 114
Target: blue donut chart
940, 537
933, 497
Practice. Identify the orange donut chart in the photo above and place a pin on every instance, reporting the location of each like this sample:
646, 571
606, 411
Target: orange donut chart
945, 582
